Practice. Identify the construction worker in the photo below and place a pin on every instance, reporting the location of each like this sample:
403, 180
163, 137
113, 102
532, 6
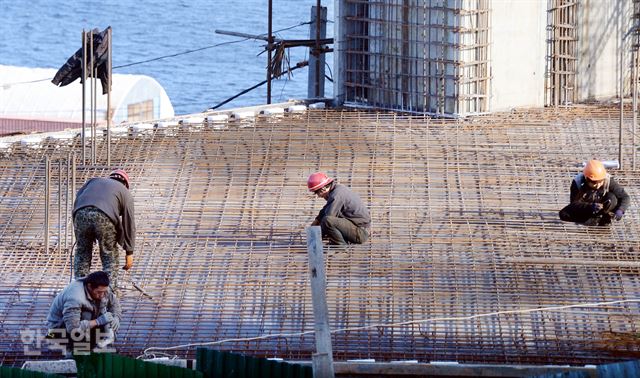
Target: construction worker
344, 218
104, 212
85, 314
596, 197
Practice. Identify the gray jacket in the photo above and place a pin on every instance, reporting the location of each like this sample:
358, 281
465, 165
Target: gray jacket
113, 199
73, 308
344, 203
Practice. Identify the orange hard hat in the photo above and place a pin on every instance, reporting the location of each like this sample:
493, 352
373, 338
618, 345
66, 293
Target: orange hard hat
318, 180
594, 170
120, 175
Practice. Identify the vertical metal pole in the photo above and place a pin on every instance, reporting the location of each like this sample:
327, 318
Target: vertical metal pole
315, 85
269, 45
59, 206
109, 73
634, 88
66, 204
621, 102
323, 358
84, 93
93, 100
73, 193
94, 85
46, 202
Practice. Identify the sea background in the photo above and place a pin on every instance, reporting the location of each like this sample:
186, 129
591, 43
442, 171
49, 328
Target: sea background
44, 34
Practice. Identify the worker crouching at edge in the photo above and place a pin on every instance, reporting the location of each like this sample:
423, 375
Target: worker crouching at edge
104, 212
596, 197
84, 315
344, 218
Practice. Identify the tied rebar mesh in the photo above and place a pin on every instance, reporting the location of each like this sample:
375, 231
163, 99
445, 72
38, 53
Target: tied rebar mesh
464, 223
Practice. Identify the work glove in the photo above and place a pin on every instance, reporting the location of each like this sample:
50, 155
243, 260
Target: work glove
596, 207
618, 215
115, 324
128, 263
105, 318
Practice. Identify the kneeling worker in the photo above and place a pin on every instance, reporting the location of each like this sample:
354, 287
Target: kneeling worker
595, 197
344, 218
85, 310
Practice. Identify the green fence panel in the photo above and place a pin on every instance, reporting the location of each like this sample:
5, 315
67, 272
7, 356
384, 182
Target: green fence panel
11, 372
621, 370
107, 365
216, 364
629, 369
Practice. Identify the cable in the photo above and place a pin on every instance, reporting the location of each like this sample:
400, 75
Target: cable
25, 82
431, 320
170, 55
330, 72
299, 65
204, 48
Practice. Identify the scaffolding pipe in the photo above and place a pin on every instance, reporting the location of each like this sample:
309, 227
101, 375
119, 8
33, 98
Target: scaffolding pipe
109, 74
47, 193
269, 47
59, 205
84, 94
621, 95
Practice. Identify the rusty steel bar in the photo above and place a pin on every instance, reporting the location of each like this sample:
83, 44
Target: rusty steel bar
465, 222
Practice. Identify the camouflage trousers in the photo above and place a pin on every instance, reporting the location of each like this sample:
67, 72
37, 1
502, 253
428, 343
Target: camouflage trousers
93, 225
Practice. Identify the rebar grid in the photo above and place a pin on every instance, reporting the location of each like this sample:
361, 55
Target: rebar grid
464, 223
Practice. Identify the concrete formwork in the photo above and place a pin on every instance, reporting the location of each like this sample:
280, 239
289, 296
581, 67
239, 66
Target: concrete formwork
467, 261
466, 57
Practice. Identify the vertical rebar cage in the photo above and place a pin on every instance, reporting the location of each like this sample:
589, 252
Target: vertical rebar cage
562, 46
418, 56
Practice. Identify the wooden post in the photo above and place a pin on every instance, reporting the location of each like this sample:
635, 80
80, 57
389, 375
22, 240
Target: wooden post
323, 358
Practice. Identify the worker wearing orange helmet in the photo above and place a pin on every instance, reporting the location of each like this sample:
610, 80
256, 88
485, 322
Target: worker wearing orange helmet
103, 211
596, 197
344, 218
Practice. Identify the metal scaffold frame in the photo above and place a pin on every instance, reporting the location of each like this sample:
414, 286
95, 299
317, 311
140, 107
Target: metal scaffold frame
467, 259
562, 50
427, 56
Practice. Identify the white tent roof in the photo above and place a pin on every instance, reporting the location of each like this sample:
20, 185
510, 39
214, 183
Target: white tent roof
29, 93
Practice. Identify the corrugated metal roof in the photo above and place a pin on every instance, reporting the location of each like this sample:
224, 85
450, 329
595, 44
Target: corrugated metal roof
28, 93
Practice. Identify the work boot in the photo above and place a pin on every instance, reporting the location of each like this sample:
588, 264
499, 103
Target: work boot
605, 220
594, 221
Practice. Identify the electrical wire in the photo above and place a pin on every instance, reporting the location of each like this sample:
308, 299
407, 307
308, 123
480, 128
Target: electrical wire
171, 55
389, 325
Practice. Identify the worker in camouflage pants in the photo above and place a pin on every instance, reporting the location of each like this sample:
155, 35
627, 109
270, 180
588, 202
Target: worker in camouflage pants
91, 224
104, 213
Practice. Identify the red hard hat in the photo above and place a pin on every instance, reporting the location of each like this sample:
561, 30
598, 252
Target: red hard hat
120, 175
318, 180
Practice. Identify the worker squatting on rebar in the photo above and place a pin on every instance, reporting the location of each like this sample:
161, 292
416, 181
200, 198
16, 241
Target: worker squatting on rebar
104, 212
344, 218
85, 315
596, 197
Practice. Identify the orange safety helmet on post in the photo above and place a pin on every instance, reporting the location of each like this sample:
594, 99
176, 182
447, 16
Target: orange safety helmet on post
120, 175
317, 181
594, 170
